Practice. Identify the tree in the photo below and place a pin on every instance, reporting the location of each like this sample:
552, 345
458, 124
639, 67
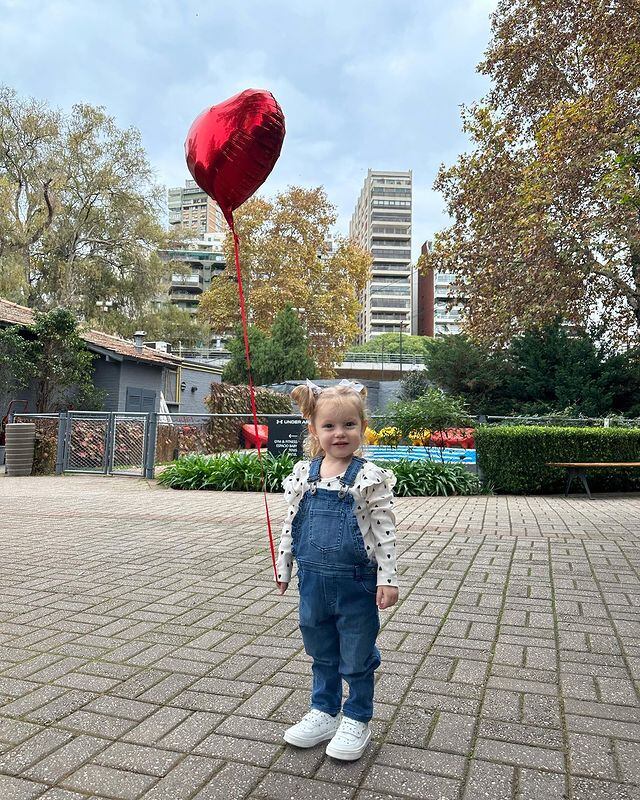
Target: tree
79, 212
463, 367
288, 349
539, 372
390, 343
286, 259
167, 323
16, 362
236, 369
63, 367
546, 207
280, 356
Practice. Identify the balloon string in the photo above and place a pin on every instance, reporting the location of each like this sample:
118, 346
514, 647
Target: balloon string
252, 391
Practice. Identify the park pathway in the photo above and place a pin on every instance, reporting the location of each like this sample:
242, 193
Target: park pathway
144, 653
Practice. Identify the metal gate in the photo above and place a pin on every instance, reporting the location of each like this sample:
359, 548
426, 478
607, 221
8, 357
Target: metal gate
106, 442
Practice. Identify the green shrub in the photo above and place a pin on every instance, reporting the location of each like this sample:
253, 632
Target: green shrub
434, 410
236, 472
432, 478
513, 458
240, 472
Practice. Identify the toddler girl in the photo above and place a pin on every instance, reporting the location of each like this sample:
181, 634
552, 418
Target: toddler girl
340, 527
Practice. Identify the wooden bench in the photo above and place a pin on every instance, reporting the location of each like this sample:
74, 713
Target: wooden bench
578, 469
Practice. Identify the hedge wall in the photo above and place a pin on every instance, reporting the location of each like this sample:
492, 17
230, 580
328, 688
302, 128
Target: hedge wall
513, 458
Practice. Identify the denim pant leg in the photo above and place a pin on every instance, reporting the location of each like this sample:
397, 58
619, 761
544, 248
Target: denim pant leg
321, 642
358, 626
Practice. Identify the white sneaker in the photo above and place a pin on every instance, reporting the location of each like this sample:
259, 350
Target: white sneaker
315, 727
350, 741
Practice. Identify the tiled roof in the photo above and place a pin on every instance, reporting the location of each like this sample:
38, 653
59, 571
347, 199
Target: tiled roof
15, 314
128, 349
21, 315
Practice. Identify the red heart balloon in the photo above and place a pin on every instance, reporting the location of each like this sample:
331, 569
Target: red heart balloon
231, 147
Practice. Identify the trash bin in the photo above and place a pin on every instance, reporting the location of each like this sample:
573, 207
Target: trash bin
19, 444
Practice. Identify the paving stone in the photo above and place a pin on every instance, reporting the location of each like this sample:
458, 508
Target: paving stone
230, 748
487, 781
589, 789
130, 635
592, 756
407, 783
138, 758
538, 785
291, 787
232, 782
185, 779
65, 759
155, 727
18, 789
19, 758
112, 783
520, 754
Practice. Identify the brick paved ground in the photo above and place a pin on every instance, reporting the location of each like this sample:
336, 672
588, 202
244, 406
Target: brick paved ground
140, 660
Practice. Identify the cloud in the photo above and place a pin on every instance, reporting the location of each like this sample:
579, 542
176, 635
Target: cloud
364, 83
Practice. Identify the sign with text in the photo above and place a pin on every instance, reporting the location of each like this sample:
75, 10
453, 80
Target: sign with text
285, 435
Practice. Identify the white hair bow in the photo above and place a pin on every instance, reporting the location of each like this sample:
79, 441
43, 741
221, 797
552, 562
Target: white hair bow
357, 387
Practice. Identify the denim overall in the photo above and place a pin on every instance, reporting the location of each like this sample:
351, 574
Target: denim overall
337, 582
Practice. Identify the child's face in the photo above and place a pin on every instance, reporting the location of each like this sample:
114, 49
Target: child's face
338, 428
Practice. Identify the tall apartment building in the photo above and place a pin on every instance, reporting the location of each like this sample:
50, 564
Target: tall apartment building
193, 209
202, 259
436, 315
381, 223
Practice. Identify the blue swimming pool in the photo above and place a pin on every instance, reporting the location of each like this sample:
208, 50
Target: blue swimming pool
451, 455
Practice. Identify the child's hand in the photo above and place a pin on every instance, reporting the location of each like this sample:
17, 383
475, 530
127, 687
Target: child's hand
282, 587
386, 596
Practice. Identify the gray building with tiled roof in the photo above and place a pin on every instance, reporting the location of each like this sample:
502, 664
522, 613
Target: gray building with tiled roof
132, 376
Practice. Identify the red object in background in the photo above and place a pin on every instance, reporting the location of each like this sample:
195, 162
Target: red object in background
249, 433
453, 437
232, 147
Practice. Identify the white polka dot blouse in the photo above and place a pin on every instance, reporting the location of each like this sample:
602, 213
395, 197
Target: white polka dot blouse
373, 507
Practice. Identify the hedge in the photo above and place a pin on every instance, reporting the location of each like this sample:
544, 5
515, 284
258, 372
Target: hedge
512, 458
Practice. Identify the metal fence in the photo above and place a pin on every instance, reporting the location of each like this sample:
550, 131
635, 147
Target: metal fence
119, 443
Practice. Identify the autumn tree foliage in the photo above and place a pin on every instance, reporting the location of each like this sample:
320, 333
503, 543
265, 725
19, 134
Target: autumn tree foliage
287, 260
546, 204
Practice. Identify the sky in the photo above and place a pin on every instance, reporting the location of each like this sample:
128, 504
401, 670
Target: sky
363, 83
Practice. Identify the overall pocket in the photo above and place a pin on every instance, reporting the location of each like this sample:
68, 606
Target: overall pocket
326, 528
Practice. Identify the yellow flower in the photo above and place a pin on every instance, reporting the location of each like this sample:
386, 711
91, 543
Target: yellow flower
370, 436
420, 438
389, 436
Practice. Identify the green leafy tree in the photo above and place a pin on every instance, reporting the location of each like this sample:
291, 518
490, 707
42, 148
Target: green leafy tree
80, 214
546, 205
390, 343
16, 362
236, 369
63, 366
168, 323
435, 410
281, 355
414, 385
468, 369
288, 349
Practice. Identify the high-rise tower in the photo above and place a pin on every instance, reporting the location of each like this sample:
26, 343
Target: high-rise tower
381, 223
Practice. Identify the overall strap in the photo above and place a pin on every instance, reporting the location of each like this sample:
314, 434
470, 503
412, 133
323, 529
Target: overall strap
351, 474
314, 473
